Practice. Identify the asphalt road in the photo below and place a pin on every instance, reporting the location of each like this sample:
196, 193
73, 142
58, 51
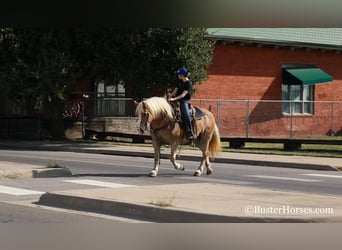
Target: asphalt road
134, 171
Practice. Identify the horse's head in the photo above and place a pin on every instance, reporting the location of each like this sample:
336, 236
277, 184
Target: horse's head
153, 110
145, 117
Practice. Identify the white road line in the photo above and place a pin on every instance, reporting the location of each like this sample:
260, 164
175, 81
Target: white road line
205, 179
324, 175
98, 183
17, 191
282, 178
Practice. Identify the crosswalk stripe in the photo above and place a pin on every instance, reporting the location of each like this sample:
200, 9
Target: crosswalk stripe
324, 175
282, 178
17, 191
98, 183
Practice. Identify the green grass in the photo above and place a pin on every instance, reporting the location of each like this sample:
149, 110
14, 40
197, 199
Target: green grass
277, 149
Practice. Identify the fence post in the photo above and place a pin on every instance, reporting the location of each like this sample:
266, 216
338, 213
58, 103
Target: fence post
84, 96
218, 114
291, 118
247, 118
332, 119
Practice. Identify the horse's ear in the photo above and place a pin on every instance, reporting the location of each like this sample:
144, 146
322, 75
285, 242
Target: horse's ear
136, 103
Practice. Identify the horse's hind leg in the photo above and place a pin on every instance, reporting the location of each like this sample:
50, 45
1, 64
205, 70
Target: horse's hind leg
205, 152
204, 147
199, 171
205, 160
208, 166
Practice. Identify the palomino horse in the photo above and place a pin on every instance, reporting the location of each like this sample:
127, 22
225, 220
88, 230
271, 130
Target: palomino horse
157, 115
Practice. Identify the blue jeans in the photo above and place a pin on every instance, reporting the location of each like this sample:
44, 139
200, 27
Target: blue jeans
184, 107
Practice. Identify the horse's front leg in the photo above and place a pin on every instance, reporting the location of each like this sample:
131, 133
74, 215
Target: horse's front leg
173, 155
156, 147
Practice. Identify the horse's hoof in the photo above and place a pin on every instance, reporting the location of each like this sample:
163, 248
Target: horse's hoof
209, 172
197, 173
152, 174
182, 168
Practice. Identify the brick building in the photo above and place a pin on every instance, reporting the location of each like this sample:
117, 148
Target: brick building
275, 82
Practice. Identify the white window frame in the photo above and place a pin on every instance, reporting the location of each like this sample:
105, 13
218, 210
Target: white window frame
297, 99
109, 99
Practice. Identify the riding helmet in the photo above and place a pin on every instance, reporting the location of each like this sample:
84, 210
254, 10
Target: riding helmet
182, 71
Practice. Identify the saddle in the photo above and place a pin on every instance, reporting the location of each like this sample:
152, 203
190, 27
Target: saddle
195, 112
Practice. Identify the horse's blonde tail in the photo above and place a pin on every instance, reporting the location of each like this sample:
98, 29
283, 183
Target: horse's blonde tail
215, 143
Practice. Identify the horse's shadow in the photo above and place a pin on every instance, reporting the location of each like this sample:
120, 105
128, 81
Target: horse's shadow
110, 175
126, 175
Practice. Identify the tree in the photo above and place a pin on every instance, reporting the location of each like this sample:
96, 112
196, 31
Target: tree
36, 71
40, 66
157, 53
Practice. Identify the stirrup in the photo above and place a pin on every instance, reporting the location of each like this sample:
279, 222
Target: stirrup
191, 141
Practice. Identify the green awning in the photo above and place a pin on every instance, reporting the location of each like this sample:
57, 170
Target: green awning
306, 76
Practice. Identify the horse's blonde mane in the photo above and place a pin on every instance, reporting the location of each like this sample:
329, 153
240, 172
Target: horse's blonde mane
157, 106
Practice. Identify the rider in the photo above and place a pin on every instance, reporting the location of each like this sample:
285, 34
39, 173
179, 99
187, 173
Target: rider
182, 94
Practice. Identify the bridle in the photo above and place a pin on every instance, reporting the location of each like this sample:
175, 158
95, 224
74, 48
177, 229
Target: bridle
146, 121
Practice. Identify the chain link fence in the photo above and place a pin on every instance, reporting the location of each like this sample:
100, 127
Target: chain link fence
235, 118
243, 118
247, 118
265, 118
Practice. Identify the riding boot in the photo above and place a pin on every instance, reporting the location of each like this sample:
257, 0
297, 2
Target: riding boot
190, 135
184, 106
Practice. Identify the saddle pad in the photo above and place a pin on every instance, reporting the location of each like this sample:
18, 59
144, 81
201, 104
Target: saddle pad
198, 113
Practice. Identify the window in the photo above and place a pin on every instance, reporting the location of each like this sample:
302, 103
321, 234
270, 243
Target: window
297, 99
109, 99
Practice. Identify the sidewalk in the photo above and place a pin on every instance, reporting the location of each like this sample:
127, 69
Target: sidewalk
200, 202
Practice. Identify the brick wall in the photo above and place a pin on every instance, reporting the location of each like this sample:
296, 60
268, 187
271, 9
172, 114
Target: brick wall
254, 73
250, 72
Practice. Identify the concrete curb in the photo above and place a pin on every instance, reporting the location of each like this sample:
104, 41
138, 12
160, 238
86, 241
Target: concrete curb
152, 213
51, 172
35, 173
217, 159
